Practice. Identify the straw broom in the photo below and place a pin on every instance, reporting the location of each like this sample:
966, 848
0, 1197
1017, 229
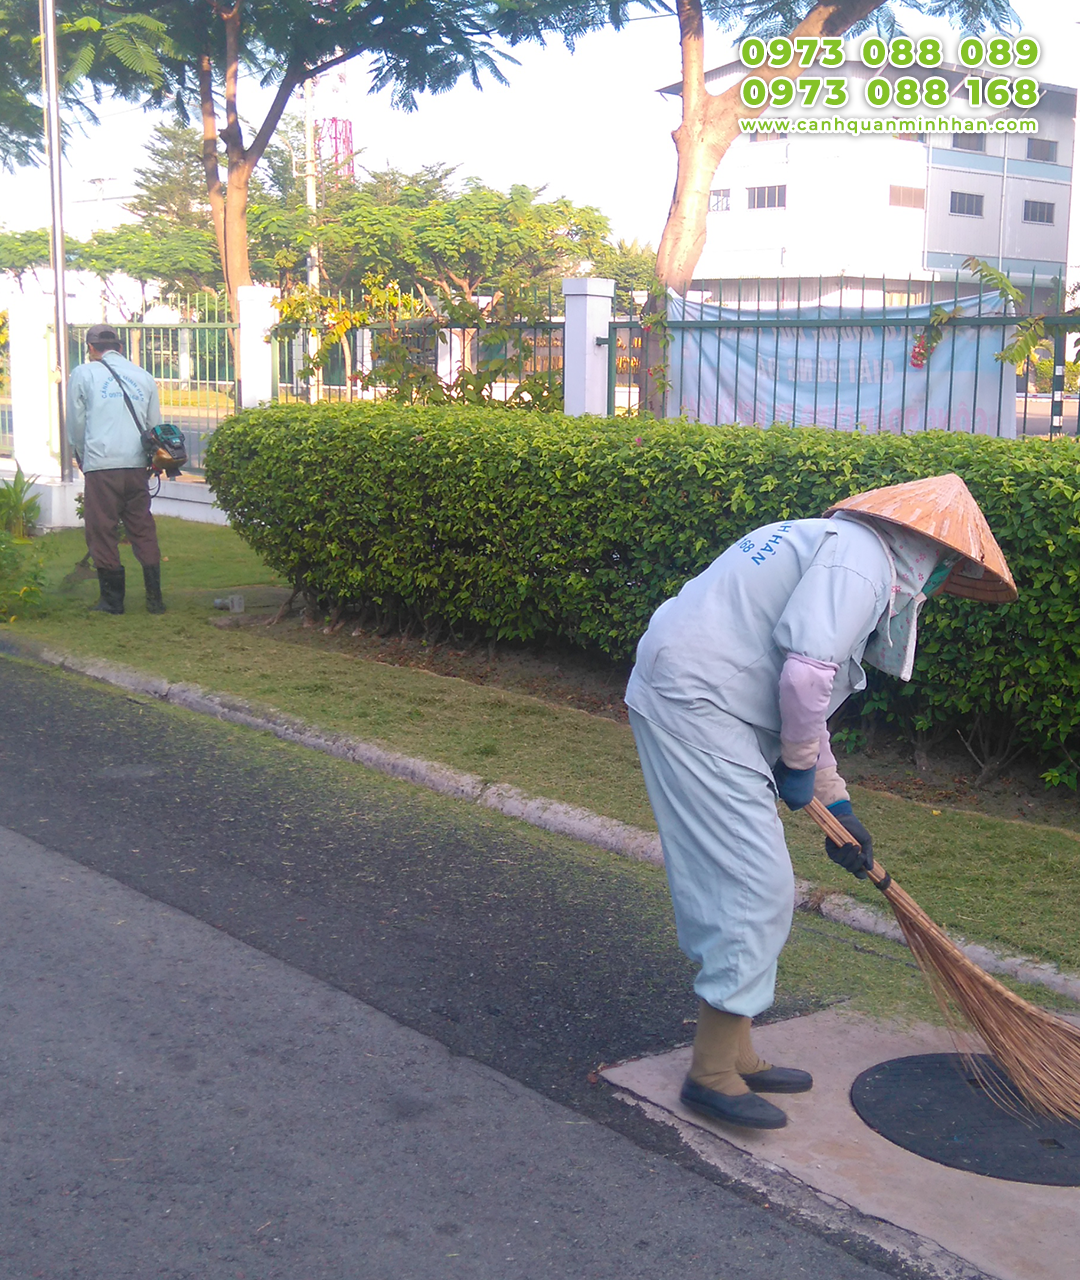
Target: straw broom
1039, 1052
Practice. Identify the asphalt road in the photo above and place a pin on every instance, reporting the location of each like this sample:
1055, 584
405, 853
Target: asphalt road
268, 1015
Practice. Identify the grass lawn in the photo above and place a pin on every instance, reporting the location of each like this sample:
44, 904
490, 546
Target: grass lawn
1012, 885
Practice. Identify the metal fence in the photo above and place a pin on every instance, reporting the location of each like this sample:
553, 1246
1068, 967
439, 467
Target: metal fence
839, 353
192, 360
414, 355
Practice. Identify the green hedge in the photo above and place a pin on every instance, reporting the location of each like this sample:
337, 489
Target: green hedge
520, 526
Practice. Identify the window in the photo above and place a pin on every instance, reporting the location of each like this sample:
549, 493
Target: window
969, 141
967, 204
766, 197
1042, 149
1038, 211
720, 201
907, 197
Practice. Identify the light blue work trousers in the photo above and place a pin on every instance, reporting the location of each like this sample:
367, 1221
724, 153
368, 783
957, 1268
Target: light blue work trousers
728, 867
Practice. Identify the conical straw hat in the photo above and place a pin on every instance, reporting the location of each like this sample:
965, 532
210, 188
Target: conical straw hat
942, 508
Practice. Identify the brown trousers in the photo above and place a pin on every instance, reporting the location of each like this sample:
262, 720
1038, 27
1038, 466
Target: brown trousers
109, 497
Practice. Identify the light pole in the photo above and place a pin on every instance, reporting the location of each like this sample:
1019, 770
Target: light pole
50, 84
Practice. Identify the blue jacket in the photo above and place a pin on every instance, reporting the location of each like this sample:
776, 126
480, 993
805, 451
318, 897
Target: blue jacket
103, 437
712, 656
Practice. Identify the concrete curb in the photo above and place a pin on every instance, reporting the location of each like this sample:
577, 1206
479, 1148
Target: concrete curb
549, 815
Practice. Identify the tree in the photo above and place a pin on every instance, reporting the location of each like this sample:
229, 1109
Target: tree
23, 251
710, 122
180, 258
391, 186
171, 184
190, 54
478, 242
632, 267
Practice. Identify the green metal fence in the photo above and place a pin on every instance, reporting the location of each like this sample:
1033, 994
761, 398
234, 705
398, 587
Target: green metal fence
192, 360
419, 353
755, 352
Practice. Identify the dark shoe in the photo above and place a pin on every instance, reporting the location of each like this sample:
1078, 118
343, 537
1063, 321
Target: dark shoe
111, 585
152, 578
780, 1080
746, 1110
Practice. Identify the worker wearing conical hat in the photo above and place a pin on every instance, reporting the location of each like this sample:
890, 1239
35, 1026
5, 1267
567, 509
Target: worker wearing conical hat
733, 683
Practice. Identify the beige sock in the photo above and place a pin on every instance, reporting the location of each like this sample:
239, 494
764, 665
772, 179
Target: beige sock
747, 1062
716, 1049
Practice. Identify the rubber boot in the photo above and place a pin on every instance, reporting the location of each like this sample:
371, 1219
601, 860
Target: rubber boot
152, 578
111, 585
714, 1087
762, 1076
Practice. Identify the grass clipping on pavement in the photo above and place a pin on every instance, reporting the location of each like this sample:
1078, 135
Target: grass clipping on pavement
1014, 886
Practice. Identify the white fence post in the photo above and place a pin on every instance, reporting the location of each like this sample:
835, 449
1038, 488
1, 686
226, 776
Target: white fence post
257, 316
585, 362
183, 339
449, 356
34, 408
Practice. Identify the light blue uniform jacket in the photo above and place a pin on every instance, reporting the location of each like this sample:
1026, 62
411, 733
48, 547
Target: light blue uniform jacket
708, 667
99, 424
704, 703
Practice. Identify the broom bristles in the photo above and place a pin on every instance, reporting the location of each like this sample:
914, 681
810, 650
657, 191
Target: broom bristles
1039, 1052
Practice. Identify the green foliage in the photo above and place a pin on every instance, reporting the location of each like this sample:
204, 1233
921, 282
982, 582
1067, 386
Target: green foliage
19, 507
1044, 375
399, 323
522, 526
171, 182
632, 267
22, 251
21, 580
5, 356
478, 242
182, 258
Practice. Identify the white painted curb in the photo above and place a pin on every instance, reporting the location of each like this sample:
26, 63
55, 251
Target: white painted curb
549, 815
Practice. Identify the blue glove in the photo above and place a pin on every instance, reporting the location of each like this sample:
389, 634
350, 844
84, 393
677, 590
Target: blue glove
796, 786
857, 856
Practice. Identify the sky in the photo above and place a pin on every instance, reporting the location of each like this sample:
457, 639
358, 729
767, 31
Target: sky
589, 125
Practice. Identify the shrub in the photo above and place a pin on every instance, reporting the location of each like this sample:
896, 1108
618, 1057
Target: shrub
20, 508
20, 580
516, 526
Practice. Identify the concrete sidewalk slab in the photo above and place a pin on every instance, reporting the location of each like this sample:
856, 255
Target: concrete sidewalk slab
1016, 1231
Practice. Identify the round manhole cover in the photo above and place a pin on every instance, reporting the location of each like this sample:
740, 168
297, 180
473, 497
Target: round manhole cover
934, 1105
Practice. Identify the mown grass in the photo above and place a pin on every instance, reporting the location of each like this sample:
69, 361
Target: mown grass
1012, 885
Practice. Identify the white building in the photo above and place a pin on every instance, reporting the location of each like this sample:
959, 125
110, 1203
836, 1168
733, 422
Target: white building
897, 206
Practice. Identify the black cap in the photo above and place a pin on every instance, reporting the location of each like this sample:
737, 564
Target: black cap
99, 334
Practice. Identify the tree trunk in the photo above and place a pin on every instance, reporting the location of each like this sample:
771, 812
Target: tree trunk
228, 203
709, 125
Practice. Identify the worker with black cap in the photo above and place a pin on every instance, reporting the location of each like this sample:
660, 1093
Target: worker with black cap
734, 682
107, 444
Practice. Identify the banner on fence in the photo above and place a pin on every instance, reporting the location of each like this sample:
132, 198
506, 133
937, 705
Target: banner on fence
856, 374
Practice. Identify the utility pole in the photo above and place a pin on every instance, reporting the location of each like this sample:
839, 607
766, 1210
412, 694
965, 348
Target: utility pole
311, 196
310, 169
50, 84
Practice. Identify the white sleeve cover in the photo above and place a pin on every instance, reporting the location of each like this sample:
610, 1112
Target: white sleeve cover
805, 690
828, 784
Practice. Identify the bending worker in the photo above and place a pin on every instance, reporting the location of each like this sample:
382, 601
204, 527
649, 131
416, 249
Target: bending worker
734, 681
105, 438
